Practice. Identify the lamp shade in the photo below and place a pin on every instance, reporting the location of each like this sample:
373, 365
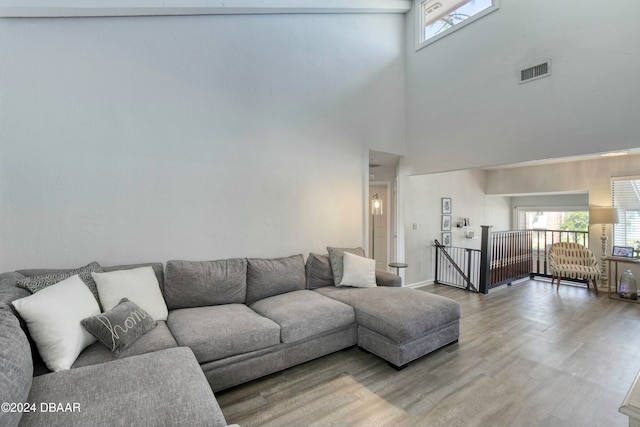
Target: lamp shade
603, 215
376, 205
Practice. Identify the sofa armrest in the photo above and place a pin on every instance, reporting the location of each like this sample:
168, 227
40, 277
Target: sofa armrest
384, 278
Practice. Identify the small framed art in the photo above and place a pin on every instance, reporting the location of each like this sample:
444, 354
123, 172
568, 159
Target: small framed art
622, 251
446, 205
446, 238
446, 222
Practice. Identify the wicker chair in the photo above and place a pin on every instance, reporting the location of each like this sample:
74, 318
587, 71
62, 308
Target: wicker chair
573, 261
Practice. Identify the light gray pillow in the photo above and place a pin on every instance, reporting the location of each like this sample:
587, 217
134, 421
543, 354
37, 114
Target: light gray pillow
336, 257
37, 283
119, 327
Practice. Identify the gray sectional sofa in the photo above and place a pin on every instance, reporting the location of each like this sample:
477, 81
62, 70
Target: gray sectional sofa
229, 322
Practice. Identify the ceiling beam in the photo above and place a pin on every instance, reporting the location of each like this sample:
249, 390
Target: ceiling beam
84, 8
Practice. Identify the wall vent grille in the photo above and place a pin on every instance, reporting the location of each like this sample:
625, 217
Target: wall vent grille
535, 72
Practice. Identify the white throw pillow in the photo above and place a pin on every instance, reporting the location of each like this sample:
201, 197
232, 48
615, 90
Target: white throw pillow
53, 317
359, 272
138, 285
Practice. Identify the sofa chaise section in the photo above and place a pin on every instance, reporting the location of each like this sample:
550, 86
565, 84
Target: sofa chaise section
400, 324
167, 387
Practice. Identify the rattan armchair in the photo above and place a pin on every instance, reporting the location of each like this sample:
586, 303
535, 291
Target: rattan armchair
573, 261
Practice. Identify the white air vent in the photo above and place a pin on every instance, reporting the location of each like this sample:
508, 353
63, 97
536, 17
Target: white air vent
434, 8
535, 72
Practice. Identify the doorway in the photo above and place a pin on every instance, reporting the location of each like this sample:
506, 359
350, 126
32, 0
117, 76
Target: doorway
379, 225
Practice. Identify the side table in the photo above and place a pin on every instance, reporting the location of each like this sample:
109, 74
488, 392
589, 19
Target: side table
398, 266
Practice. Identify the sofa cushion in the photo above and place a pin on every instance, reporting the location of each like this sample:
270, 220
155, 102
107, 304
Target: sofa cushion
139, 285
318, 271
336, 257
400, 314
304, 314
159, 338
119, 327
221, 331
164, 388
202, 283
53, 317
269, 277
17, 366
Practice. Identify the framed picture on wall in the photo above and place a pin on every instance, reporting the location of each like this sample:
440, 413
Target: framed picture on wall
446, 238
446, 222
622, 251
446, 205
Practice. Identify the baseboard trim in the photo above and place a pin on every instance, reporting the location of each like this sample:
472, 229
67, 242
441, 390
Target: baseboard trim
419, 284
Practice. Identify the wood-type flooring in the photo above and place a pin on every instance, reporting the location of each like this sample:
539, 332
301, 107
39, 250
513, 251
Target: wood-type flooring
527, 356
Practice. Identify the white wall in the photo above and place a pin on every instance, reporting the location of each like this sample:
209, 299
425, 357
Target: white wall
422, 207
465, 107
147, 139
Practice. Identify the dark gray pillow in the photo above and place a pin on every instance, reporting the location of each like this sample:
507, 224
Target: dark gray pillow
269, 277
336, 257
318, 271
119, 327
37, 283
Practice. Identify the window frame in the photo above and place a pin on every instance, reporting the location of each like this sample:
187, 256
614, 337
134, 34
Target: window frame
622, 214
419, 23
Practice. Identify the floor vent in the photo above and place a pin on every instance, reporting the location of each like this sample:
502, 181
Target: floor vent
535, 72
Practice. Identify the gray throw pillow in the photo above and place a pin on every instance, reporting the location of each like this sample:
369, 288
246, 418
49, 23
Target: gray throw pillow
318, 271
336, 257
37, 283
119, 327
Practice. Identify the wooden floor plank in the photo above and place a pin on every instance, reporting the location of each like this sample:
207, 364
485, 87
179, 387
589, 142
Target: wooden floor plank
527, 356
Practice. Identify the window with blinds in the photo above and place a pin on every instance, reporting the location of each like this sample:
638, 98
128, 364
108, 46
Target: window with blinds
625, 196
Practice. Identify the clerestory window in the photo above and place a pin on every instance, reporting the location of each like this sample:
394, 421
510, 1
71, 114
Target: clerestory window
437, 18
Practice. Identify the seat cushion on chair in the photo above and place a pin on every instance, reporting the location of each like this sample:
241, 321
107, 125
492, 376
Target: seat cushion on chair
400, 314
304, 314
221, 331
576, 271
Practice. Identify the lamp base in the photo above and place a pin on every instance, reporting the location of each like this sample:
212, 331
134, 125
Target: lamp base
603, 257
